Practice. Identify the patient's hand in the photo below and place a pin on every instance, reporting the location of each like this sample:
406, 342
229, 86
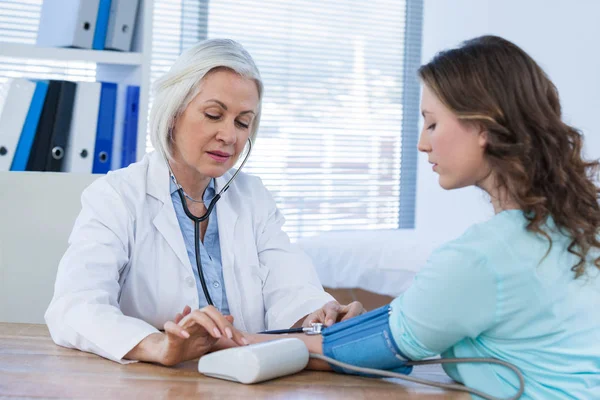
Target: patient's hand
333, 312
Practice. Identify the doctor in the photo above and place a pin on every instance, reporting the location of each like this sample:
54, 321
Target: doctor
132, 266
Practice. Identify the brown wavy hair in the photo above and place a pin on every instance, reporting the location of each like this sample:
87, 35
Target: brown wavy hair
535, 156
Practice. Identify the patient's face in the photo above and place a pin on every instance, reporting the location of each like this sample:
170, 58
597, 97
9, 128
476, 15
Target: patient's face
455, 148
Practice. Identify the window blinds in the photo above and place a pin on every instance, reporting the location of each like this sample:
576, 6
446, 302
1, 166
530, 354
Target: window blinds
337, 142
331, 145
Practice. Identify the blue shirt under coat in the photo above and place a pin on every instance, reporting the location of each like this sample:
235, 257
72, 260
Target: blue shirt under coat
210, 250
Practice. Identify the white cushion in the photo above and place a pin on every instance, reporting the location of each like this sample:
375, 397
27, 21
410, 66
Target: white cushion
381, 261
37, 212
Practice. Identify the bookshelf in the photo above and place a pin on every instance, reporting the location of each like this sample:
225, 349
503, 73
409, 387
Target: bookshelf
29, 51
127, 68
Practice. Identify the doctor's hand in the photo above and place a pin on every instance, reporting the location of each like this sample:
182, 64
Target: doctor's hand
197, 333
333, 312
191, 335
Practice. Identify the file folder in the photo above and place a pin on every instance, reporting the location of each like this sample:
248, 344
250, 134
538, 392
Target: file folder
130, 128
29, 128
79, 157
43, 134
68, 23
101, 25
16, 99
118, 129
62, 125
121, 24
105, 127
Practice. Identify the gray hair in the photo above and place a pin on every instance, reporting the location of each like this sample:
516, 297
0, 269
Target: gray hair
178, 87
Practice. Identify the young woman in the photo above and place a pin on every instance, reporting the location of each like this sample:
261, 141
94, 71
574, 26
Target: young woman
523, 287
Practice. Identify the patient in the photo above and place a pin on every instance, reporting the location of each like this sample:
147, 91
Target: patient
522, 287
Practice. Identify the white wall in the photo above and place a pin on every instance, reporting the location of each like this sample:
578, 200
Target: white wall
36, 218
562, 36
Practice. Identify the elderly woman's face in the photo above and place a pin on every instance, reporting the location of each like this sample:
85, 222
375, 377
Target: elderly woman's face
214, 128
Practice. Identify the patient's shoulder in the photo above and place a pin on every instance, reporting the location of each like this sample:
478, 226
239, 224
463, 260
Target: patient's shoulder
490, 239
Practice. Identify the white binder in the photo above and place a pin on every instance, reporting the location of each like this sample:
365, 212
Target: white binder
79, 156
68, 23
15, 99
121, 24
117, 147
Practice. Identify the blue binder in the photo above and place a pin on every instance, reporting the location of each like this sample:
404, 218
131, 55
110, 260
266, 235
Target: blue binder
101, 25
105, 128
30, 127
130, 131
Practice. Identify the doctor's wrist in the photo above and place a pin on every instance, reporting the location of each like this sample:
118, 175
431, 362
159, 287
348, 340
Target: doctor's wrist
148, 349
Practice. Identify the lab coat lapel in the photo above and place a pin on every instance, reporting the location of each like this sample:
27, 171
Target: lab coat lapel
228, 217
168, 226
165, 221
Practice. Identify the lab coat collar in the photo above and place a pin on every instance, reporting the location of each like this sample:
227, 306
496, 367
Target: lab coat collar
227, 214
159, 181
157, 178
158, 186
165, 221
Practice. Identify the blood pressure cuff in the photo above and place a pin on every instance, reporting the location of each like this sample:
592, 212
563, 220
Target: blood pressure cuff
365, 341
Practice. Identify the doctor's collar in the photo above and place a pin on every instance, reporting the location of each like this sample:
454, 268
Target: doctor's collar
207, 196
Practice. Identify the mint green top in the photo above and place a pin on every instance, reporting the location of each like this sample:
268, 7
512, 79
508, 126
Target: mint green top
491, 293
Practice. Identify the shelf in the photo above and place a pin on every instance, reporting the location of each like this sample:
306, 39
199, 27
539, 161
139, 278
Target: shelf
61, 54
59, 174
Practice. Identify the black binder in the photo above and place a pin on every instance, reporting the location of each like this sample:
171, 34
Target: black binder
62, 125
43, 133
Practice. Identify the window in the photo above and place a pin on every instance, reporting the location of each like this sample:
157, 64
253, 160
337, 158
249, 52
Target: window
337, 141
19, 20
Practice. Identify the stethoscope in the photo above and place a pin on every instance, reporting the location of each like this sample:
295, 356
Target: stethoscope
198, 220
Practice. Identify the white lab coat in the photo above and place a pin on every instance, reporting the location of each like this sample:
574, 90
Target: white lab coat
126, 271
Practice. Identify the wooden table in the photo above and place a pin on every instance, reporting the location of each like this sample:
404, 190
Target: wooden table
31, 365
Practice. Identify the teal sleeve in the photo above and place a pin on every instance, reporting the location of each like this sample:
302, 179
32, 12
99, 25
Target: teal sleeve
453, 297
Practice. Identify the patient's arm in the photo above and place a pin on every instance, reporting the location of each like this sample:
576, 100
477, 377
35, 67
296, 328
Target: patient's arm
314, 343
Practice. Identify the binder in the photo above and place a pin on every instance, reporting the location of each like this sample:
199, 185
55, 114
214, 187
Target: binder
130, 128
43, 134
117, 145
121, 24
62, 124
68, 23
16, 98
79, 156
105, 127
29, 128
101, 25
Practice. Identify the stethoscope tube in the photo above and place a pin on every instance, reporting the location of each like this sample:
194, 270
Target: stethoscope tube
198, 220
